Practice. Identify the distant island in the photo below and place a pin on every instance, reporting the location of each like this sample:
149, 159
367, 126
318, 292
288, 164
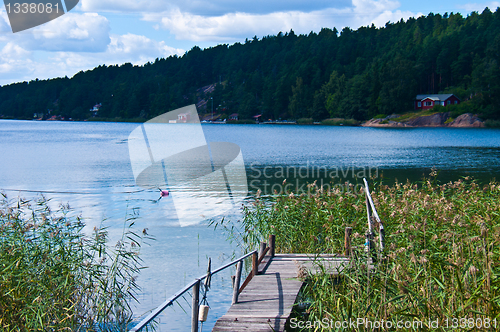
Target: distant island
369, 75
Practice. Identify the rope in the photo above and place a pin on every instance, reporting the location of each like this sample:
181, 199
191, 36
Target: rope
68, 192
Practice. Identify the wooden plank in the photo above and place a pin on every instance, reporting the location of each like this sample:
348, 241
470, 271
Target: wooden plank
267, 300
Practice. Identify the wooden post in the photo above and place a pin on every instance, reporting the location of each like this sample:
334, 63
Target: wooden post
347, 241
255, 264
195, 306
236, 286
263, 246
272, 242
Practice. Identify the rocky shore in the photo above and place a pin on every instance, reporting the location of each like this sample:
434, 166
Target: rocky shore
435, 120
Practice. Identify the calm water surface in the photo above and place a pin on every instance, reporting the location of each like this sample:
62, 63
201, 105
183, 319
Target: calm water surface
87, 164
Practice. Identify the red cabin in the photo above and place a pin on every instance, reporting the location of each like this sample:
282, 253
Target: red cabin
425, 102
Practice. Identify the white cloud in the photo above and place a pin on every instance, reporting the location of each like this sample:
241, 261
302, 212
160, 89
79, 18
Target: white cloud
81, 41
235, 26
14, 51
379, 13
124, 5
27, 55
139, 49
4, 22
88, 32
229, 27
210, 7
14, 60
479, 7
19, 64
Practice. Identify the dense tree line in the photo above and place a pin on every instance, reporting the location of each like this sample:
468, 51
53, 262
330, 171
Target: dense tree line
350, 74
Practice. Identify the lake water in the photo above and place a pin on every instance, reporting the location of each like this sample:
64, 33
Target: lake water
87, 164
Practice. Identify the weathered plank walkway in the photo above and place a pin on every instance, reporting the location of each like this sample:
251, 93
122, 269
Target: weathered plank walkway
266, 302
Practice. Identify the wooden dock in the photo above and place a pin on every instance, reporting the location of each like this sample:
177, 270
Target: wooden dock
266, 298
265, 304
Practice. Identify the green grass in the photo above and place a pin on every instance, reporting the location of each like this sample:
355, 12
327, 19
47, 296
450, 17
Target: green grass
442, 257
55, 279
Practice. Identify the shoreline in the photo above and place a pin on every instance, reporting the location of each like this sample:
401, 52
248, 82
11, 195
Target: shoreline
436, 120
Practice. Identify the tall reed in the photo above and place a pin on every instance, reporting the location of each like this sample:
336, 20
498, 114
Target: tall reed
53, 278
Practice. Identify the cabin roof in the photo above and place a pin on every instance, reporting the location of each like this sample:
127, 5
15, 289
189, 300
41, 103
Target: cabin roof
440, 97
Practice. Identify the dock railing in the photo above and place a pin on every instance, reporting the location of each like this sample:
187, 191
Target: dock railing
257, 258
373, 217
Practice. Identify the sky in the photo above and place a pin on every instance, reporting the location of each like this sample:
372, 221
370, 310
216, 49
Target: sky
107, 32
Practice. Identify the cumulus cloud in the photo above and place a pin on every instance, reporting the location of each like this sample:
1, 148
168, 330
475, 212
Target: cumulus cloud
72, 42
14, 59
139, 49
80, 41
88, 32
479, 7
367, 12
4, 22
19, 64
234, 26
27, 55
124, 5
210, 7
230, 27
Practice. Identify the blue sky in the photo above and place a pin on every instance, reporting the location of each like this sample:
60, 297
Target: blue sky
109, 32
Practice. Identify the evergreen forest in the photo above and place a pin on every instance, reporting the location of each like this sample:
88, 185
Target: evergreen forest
352, 74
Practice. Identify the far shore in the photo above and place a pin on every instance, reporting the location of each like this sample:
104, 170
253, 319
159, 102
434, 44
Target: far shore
436, 120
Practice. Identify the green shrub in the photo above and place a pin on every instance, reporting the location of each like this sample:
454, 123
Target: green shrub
305, 121
492, 123
248, 121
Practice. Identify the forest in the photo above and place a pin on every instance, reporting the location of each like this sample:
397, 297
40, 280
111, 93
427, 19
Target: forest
353, 74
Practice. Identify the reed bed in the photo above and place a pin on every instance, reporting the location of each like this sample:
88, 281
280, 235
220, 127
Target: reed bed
440, 268
54, 279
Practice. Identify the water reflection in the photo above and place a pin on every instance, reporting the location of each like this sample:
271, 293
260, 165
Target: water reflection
87, 165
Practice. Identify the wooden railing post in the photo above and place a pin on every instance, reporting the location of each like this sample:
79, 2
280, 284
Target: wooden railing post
347, 241
236, 286
255, 264
262, 249
195, 287
272, 242
195, 306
